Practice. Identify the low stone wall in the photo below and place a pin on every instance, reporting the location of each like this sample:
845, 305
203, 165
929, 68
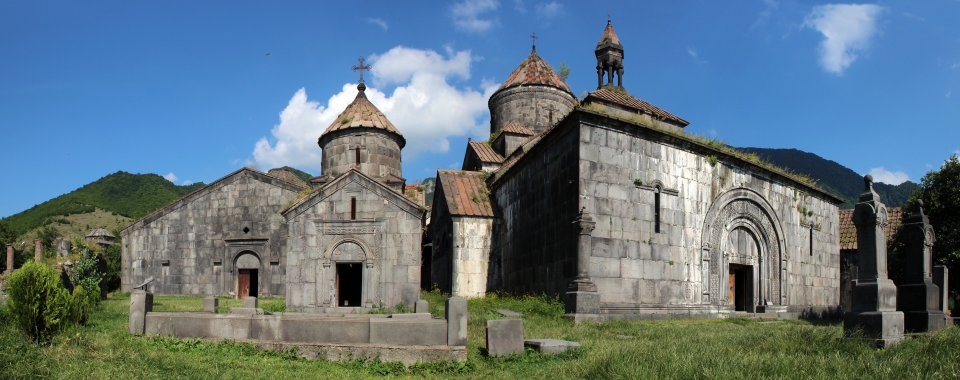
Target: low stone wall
408, 338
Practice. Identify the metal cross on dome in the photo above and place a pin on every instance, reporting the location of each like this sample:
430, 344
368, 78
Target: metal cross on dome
534, 37
360, 68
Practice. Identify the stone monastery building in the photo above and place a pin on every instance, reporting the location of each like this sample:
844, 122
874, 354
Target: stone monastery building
604, 200
608, 203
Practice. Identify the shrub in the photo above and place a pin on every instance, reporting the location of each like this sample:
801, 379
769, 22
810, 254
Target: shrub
86, 271
38, 301
80, 305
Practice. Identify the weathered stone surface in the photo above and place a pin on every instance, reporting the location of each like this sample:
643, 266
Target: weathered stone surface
422, 306
551, 346
141, 303
37, 250
250, 302
504, 337
456, 316
9, 258
534, 107
210, 304
417, 332
247, 310
509, 313
919, 297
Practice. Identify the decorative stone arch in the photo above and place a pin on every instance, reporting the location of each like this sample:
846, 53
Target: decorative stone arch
746, 209
326, 276
247, 259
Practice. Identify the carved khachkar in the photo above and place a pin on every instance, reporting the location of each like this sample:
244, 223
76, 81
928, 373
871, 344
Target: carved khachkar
582, 301
919, 296
874, 295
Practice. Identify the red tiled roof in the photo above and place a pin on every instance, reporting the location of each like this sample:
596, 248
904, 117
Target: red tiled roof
465, 192
361, 113
609, 35
514, 127
485, 153
534, 71
848, 231
634, 103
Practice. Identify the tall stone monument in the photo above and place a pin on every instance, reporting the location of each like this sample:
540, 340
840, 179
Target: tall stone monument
874, 309
9, 258
582, 301
38, 250
919, 296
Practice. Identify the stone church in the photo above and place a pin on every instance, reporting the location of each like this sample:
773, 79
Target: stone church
608, 203
351, 240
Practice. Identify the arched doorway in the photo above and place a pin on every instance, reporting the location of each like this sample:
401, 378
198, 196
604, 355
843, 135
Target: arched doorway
248, 274
348, 287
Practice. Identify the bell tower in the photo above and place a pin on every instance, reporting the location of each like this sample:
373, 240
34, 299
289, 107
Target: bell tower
609, 57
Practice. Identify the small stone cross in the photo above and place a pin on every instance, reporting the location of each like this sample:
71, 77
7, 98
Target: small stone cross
534, 37
360, 68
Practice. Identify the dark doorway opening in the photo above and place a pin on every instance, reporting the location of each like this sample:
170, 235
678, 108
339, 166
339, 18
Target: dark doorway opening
349, 284
246, 283
741, 287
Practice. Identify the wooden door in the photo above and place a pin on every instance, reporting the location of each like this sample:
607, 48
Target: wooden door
243, 283
733, 287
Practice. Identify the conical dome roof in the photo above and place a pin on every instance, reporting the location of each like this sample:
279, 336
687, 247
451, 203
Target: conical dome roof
534, 71
362, 114
609, 36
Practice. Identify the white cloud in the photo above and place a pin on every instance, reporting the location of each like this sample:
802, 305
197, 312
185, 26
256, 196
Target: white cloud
547, 11
693, 53
891, 178
466, 15
186, 183
949, 92
377, 21
170, 177
847, 30
424, 106
955, 65
519, 6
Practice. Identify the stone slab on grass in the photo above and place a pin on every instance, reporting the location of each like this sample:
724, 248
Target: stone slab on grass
504, 337
550, 346
509, 313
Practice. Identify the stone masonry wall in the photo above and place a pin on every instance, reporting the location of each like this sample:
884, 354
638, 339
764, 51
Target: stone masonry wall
385, 238
635, 267
470, 256
535, 107
538, 201
379, 152
190, 246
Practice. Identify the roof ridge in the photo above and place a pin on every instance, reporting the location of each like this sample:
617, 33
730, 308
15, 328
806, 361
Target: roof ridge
533, 70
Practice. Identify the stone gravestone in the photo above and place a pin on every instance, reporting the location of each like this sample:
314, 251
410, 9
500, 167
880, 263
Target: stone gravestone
456, 315
919, 296
37, 250
422, 306
9, 258
941, 278
141, 303
210, 304
874, 304
504, 337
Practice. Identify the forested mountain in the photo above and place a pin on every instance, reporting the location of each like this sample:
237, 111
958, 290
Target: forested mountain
300, 174
129, 195
832, 176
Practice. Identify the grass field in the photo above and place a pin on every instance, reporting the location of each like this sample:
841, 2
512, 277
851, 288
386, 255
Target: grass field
674, 349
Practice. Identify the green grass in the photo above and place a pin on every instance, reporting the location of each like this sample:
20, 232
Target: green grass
673, 349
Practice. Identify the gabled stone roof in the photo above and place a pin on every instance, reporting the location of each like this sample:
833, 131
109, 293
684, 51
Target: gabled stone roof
287, 176
484, 152
609, 36
465, 193
362, 114
514, 127
605, 95
353, 175
534, 71
99, 232
848, 231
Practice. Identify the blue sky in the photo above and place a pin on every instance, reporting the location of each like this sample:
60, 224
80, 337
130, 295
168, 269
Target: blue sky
196, 90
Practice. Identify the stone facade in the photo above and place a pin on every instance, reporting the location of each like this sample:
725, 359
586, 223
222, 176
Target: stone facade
534, 107
379, 153
194, 245
354, 220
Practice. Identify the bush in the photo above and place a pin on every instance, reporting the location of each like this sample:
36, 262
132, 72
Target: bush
38, 301
86, 273
80, 305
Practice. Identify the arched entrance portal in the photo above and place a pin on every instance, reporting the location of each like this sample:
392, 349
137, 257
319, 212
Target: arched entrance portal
248, 274
743, 254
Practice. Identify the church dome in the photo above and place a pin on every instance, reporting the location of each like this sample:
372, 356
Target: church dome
361, 137
533, 95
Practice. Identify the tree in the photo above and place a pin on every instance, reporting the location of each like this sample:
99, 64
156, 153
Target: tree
940, 192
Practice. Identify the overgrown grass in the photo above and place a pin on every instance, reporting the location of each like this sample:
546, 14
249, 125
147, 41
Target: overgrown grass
672, 349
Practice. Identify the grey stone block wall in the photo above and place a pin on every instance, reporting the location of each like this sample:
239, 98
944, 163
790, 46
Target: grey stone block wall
535, 107
379, 152
470, 256
385, 238
536, 240
191, 245
716, 215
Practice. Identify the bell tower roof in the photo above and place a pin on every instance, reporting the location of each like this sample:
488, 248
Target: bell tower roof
609, 54
361, 113
534, 71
